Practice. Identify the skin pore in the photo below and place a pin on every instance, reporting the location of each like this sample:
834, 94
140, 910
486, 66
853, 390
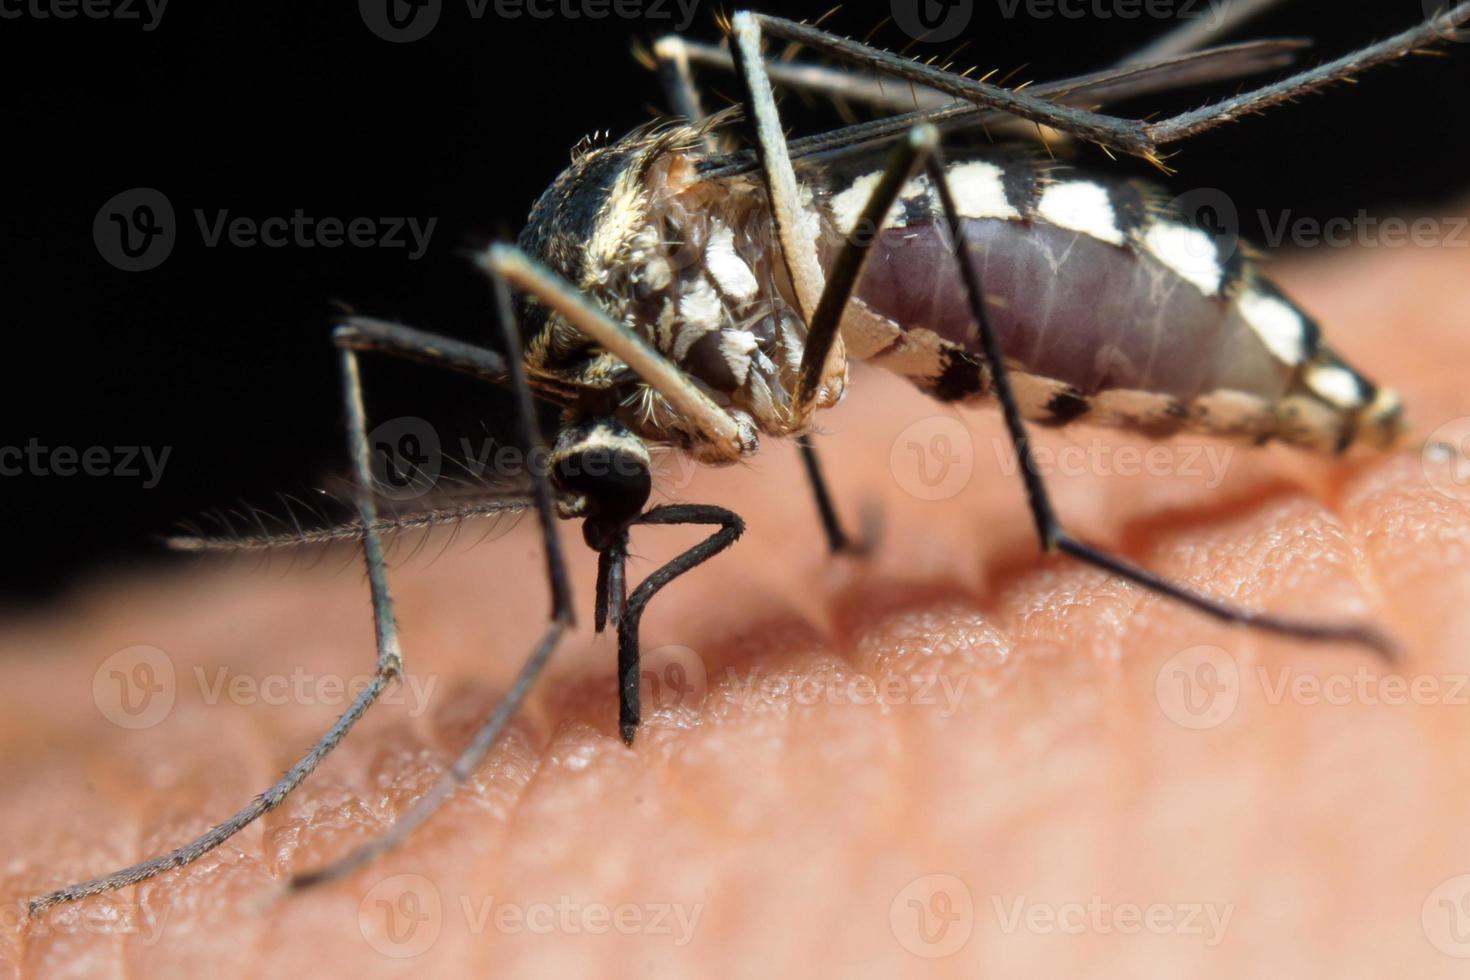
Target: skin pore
953, 746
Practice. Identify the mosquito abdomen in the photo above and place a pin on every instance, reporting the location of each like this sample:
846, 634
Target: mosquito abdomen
1109, 308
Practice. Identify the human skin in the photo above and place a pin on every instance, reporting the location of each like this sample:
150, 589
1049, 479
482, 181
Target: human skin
1036, 775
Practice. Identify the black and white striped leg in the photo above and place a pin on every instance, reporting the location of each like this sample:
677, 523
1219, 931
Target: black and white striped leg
730, 528
561, 618
1053, 537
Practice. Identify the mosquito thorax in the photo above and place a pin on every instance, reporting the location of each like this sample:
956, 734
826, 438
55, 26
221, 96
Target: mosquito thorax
687, 263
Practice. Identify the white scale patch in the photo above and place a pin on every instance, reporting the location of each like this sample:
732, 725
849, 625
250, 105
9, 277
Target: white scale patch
979, 192
1336, 384
736, 346
729, 270
1188, 251
977, 187
1126, 405
701, 311
848, 206
1278, 325
1081, 205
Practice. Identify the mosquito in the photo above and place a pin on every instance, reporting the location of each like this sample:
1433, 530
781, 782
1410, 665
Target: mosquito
668, 293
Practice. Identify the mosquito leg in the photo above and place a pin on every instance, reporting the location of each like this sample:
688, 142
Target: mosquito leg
1130, 136
823, 359
731, 527
676, 75
724, 436
1097, 88
676, 56
1124, 135
1048, 529
797, 236
826, 322
835, 83
366, 334
561, 618
838, 540
1188, 124
389, 667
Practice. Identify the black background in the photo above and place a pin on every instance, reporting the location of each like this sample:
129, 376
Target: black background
261, 108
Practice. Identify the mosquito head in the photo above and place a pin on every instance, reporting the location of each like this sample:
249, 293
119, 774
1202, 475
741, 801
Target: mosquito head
601, 473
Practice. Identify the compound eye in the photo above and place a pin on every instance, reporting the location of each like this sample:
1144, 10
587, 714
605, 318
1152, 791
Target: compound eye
607, 466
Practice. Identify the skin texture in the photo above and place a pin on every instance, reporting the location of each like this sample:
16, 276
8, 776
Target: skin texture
1032, 755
